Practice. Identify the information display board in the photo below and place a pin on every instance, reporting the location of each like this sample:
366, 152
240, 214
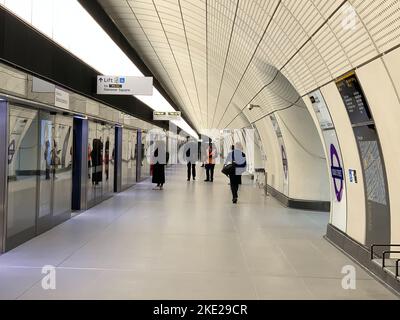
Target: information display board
378, 228
354, 99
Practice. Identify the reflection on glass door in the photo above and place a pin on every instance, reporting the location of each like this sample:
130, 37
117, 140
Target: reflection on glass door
91, 191
46, 170
109, 154
132, 147
145, 165
129, 141
55, 170
39, 173
62, 191
22, 175
101, 151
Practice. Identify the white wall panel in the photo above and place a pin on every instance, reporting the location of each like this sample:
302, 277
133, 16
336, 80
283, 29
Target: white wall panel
355, 192
385, 107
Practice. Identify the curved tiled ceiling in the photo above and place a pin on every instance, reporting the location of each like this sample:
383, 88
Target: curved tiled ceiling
215, 57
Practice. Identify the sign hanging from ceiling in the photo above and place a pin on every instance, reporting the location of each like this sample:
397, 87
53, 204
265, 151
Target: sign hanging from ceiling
167, 116
117, 85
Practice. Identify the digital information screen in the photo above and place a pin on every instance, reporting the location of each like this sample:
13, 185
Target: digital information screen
354, 100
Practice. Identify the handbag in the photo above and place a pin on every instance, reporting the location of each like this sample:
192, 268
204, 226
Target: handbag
229, 169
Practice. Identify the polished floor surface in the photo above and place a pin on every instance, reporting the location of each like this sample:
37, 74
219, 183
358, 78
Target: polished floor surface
186, 242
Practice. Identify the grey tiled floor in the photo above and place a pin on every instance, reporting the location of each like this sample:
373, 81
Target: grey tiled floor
186, 242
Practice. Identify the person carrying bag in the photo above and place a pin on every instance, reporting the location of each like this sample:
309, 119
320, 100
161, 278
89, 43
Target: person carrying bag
234, 167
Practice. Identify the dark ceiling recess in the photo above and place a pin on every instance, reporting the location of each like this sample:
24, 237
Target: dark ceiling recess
98, 13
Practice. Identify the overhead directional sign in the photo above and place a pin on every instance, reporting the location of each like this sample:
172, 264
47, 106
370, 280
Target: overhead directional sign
167, 116
117, 85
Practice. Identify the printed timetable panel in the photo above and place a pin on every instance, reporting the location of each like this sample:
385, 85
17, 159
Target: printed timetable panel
378, 209
354, 100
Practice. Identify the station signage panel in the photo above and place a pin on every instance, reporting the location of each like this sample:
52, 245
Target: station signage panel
129, 86
167, 116
61, 98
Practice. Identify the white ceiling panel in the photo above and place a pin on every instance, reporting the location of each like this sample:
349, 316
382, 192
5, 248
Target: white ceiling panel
215, 57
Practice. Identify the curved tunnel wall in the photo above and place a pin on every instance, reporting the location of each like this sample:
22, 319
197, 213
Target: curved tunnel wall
372, 50
311, 43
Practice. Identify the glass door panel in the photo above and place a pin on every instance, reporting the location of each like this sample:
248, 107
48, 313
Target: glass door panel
109, 137
91, 189
125, 158
145, 171
22, 175
62, 179
98, 162
132, 144
46, 141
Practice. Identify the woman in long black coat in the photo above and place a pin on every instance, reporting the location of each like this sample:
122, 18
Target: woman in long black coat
160, 160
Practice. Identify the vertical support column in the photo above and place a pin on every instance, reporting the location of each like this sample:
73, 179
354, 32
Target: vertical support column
118, 160
139, 156
3, 171
80, 164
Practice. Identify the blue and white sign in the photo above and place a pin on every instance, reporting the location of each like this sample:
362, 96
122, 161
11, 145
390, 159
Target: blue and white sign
130, 86
337, 173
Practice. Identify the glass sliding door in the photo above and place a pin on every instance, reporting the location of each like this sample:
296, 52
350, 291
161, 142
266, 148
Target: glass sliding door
62, 178
101, 152
91, 187
129, 141
22, 175
145, 165
125, 158
46, 156
133, 162
55, 192
109, 152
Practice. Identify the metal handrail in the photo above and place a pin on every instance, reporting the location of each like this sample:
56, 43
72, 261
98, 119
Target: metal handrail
381, 245
397, 268
385, 253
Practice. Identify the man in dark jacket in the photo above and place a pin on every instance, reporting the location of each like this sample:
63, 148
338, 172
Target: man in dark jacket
191, 152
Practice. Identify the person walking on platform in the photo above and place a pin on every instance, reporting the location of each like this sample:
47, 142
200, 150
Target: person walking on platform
210, 162
159, 161
238, 164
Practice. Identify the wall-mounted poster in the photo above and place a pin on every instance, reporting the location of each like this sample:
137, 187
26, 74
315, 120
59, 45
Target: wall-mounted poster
321, 110
334, 162
285, 163
378, 229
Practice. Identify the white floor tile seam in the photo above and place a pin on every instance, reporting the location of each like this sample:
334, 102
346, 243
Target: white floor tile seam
28, 289
244, 256
240, 265
95, 235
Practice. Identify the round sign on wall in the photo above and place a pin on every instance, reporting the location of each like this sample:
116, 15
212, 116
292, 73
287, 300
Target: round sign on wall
337, 173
